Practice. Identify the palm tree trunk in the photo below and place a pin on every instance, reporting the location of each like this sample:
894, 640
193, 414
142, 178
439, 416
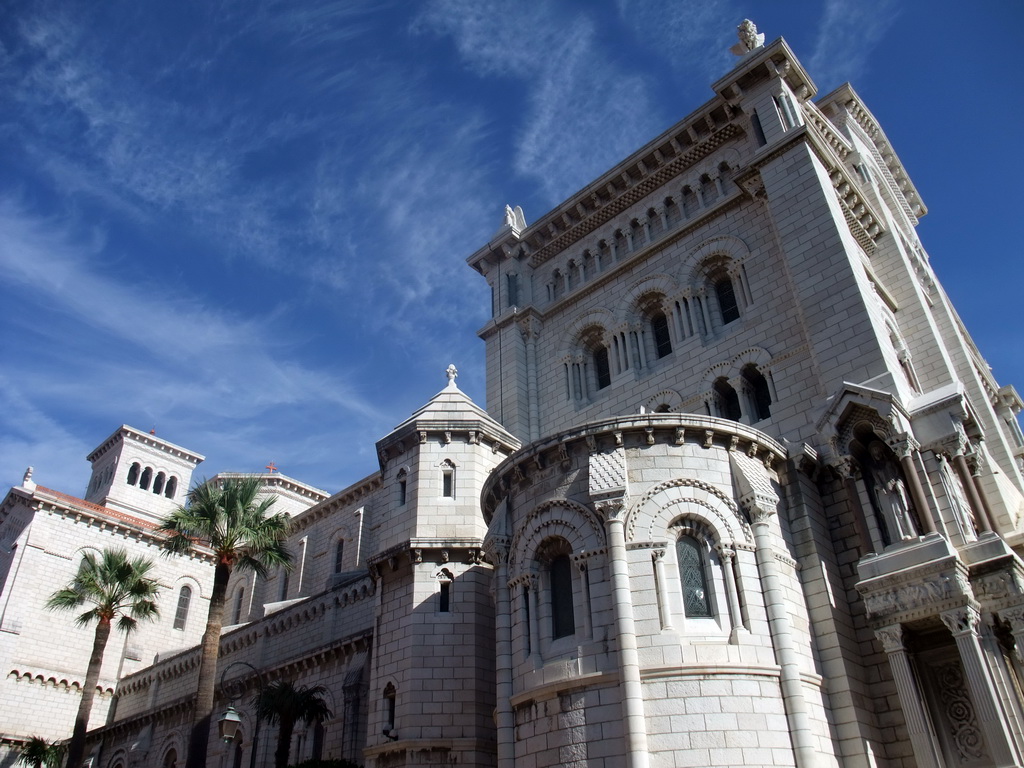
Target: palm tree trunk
284, 742
76, 749
202, 716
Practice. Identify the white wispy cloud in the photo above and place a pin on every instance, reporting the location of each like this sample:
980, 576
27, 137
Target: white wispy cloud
848, 32
581, 112
146, 351
693, 37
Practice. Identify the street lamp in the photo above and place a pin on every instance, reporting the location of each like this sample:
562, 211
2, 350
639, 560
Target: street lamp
227, 725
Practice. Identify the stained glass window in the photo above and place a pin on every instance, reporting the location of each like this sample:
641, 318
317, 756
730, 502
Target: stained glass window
696, 602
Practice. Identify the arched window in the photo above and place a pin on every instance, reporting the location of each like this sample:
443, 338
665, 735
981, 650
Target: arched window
602, 370
170, 759
758, 393
726, 296
448, 479
147, 478
172, 487
158, 484
236, 616
133, 473
693, 577
563, 619
237, 759
727, 402
403, 487
659, 330
181, 613
339, 555
390, 695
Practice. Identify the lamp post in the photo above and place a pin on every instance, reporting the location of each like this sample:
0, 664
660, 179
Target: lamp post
227, 725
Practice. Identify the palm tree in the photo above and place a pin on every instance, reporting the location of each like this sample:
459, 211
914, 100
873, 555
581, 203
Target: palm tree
114, 587
40, 753
230, 519
281, 702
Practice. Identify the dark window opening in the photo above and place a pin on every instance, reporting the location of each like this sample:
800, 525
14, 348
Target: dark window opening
239, 599
728, 401
662, 340
760, 395
133, 474
601, 368
339, 555
444, 597
563, 620
727, 300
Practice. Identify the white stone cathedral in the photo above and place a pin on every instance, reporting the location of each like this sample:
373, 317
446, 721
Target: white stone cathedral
745, 494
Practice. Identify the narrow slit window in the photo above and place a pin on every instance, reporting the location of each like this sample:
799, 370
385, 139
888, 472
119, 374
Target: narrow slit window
563, 619
448, 480
181, 613
239, 600
444, 597
727, 304
601, 368
662, 339
693, 576
339, 555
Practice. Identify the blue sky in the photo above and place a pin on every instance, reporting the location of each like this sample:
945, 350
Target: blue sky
244, 223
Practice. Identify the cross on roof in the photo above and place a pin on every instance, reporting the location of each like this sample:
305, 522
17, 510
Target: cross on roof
272, 467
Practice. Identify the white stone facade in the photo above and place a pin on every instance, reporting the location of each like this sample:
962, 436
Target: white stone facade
745, 493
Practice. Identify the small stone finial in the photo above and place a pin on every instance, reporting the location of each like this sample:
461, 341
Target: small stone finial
26, 481
749, 38
452, 373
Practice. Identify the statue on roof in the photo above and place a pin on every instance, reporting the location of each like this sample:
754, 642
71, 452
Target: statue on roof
749, 38
452, 373
514, 219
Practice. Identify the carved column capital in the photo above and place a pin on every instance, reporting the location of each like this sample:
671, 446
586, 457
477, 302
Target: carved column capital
891, 638
903, 445
530, 327
961, 621
613, 510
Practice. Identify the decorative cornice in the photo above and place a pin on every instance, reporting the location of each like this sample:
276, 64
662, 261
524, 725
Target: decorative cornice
631, 195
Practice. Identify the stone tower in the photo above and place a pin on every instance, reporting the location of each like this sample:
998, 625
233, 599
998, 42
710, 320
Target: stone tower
431, 686
140, 473
763, 458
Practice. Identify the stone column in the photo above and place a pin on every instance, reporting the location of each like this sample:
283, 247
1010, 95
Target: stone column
728, 555
635, 725
800, 732
1015, 617
963, 623
658, 555
530, 329
705, 312
911, 701
977, 465
663, 215
903, 446
503, 715
534, 622
964, 473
